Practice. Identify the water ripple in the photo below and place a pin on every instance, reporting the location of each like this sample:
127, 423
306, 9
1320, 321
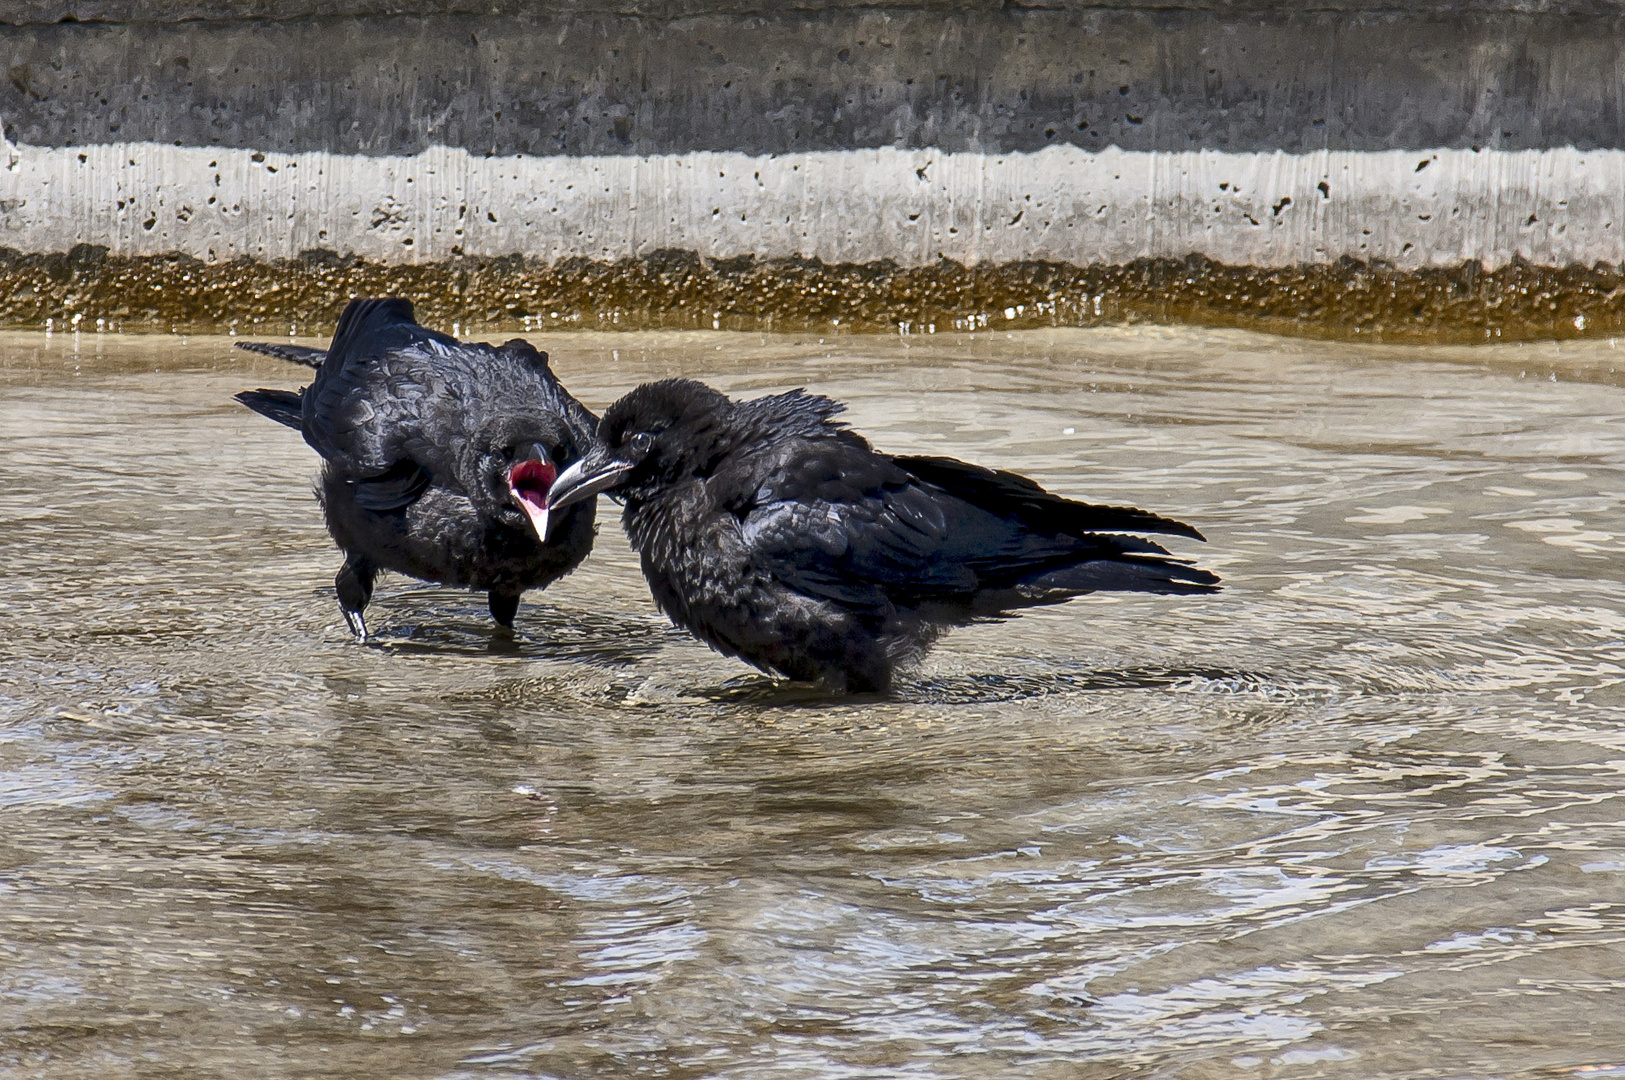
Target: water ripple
1357, 816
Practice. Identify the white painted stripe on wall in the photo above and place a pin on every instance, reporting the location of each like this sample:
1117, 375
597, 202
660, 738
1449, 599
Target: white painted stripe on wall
1411, 208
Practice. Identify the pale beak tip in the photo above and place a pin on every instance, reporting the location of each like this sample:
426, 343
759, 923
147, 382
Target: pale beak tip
538, 516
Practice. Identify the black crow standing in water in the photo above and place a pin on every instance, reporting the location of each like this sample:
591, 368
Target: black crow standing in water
775, 534
437, 456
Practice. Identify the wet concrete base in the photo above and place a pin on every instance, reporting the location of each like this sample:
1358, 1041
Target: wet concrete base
87, 289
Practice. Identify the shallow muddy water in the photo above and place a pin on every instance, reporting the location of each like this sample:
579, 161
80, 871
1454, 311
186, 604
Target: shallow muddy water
1357, 816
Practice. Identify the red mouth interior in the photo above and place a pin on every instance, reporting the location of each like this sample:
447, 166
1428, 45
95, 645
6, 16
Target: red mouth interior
529, 481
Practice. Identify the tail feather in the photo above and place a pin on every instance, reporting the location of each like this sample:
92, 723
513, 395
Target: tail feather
286, 407
1008, 494
1125, 575
297, 354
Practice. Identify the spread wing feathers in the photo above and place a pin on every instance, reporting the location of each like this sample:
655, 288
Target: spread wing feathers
1008, 494
283, 406
339, 404
838, 522
297, 354
369, 327
394, 404
424, 396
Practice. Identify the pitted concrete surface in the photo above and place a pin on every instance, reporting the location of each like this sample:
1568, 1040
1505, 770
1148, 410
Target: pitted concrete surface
1218, 144
914, 208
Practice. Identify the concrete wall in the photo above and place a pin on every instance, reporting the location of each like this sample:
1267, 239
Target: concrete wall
997, 81
35, 12
1411, 209
1251, 135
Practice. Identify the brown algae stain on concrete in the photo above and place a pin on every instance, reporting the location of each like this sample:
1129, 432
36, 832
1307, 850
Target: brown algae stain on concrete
88, 289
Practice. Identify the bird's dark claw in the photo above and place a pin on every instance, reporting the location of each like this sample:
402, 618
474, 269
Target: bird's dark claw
357, 623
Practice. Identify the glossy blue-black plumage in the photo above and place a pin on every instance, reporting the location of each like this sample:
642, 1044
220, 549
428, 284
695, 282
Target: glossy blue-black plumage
418, 432
779, 536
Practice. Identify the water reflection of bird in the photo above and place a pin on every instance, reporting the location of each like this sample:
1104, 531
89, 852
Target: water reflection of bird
776, 535
437, 456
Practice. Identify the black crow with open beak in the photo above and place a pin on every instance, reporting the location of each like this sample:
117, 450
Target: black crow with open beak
437, 456
776, 535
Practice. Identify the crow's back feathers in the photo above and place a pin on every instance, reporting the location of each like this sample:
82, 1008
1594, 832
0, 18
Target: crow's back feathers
783, 416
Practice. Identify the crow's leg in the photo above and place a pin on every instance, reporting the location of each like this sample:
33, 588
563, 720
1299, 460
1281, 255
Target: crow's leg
504, 606
844, 656
354, 585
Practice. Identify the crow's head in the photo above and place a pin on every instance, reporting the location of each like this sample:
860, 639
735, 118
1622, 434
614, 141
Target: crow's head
510, 464
659, 433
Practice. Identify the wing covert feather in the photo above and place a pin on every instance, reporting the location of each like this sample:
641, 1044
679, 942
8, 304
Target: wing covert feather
833, 520
837, 521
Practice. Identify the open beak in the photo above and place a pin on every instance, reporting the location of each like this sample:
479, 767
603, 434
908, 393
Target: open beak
528, 484
596, 472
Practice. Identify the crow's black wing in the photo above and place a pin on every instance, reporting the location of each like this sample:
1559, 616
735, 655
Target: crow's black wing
1010, 495
370, 393
836, 521
396, 487
369, 327
392, 420
365, 411
1059, 546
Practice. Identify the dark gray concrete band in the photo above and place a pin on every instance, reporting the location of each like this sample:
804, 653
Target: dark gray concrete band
985, 80
25, 12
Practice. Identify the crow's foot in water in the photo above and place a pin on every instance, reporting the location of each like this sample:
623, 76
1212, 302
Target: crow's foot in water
353, 584
504, 606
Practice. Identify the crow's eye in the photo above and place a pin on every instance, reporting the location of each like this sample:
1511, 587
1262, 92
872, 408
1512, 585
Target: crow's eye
641, 442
